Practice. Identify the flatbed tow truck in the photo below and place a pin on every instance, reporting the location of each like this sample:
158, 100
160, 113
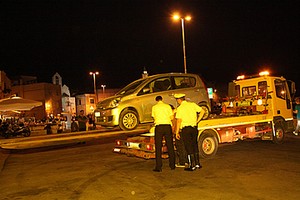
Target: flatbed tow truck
257, 107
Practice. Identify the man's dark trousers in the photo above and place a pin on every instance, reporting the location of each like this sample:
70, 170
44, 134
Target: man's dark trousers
164, 130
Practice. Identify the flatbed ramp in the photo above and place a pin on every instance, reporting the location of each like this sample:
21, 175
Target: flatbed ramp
62, 139
232, 121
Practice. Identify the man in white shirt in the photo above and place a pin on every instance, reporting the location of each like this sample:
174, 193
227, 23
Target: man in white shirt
163, 116
188, 115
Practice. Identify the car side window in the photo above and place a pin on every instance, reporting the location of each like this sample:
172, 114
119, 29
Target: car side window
157, 85
184, 82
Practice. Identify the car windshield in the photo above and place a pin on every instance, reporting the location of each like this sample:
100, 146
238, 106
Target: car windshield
129, 89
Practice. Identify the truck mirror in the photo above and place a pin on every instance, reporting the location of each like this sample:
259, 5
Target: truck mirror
231, 89
293, 88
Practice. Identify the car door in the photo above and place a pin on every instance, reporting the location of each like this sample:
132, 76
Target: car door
157, 87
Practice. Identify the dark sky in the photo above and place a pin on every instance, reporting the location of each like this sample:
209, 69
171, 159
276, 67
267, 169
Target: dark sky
120, 38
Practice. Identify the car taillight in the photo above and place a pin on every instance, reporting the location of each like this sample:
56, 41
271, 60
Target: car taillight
118, 143
149, 147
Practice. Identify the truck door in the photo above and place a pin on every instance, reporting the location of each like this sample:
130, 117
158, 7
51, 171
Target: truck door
282, 102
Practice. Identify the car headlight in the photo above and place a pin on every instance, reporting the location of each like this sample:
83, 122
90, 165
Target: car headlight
114, 103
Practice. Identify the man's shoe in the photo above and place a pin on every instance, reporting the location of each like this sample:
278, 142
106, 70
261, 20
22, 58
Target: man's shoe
190, 169
198, 166
157, 170
295, 133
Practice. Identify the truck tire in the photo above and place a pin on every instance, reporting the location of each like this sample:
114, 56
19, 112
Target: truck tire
279, 134
206, 114
208, 145
128, 120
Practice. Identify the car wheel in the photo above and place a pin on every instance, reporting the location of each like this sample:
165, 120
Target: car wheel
206, 114
128, 120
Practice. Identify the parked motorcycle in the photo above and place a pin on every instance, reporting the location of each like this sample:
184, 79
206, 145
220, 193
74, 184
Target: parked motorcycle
13, 130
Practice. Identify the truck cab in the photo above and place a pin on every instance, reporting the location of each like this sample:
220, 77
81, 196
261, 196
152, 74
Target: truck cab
264, 94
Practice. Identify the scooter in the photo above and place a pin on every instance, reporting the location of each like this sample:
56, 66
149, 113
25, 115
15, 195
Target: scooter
15, 130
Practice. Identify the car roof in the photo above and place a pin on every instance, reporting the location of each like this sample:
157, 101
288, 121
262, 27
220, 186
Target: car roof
167, 74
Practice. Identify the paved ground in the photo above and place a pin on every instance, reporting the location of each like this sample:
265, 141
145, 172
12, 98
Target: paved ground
254, 170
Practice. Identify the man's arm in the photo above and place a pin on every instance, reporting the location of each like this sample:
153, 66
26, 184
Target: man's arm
178, 124
200, 115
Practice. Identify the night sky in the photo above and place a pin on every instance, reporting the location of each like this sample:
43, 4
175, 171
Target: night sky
120, 38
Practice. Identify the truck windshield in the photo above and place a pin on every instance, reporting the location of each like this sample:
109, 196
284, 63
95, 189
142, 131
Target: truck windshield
129, 89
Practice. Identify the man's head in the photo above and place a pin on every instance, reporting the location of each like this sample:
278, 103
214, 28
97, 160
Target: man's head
81, 112
158, 98
179, 97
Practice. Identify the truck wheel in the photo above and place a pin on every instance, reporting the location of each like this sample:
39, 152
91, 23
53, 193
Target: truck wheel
279, 134
208, 145
128, 120
206, 114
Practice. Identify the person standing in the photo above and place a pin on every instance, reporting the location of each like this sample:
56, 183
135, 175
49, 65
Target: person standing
82, 120
297, 112
188, 115
163, 116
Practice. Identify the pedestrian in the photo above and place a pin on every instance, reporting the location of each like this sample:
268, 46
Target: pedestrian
163, 116
188, 115
297, 112
82, 120
74, 125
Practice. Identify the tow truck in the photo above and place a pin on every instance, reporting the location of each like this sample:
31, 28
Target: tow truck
258, 106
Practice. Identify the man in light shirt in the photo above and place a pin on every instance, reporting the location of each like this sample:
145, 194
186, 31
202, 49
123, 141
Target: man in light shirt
163, 116
188, 115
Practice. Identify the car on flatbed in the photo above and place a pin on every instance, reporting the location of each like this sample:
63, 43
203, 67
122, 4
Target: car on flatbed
132, 105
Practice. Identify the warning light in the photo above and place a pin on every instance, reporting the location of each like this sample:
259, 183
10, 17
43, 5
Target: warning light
240, 77
264, 73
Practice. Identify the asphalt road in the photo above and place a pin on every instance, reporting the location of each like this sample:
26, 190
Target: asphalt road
243, 170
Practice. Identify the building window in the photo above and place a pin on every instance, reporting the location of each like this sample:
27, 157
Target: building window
92, 101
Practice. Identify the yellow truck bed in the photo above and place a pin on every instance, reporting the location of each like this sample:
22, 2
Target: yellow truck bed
232, 121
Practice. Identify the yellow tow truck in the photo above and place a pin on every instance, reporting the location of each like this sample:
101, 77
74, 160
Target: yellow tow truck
257, 107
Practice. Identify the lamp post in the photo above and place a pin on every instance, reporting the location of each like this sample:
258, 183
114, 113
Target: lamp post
182, 19
103, 88
95, 88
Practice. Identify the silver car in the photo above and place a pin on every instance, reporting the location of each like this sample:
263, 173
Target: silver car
132, 105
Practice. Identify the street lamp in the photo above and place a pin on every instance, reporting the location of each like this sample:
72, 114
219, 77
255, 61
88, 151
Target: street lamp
94, 78
103, 88
187, 18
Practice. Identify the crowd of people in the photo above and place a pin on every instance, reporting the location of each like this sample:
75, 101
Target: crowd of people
60, 123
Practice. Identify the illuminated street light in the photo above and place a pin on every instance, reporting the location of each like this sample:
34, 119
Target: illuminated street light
187, 18
95, 88
103, 88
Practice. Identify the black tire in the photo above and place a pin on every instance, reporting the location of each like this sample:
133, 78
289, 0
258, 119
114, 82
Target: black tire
26, 133
206, 114
279, 134
208, 145
128, 120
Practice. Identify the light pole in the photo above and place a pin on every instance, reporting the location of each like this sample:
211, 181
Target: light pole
182, 19
95, 88
103, 88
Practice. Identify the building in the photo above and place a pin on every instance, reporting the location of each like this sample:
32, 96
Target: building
47, 93
5, 85
86, 102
